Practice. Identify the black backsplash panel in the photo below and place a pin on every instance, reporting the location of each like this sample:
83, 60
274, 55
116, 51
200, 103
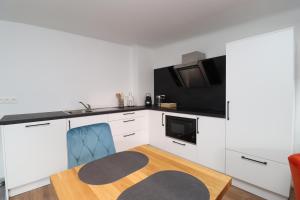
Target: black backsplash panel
209, 99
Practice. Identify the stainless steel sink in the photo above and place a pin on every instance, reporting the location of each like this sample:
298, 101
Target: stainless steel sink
105, 109
74, 112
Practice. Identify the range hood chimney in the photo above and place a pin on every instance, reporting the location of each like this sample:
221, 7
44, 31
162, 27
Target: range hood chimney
192, 57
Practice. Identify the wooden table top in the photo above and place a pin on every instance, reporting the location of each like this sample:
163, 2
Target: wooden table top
69, 187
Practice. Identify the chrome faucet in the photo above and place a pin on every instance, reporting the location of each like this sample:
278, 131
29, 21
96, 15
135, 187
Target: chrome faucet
87, 107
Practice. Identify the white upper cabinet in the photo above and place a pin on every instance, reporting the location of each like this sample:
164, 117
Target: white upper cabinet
260, 95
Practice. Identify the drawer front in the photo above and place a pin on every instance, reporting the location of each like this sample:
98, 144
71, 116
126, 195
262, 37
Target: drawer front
181, 148
266, 174
88, 120
127, 141
126, 115
126, 126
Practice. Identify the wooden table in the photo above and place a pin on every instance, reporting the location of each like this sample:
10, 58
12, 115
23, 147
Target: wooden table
68, 186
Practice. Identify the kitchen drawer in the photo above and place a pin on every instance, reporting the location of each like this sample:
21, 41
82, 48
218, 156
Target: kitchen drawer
126, 115
266, 174
130, 140
126, 126
181, 148
87, 120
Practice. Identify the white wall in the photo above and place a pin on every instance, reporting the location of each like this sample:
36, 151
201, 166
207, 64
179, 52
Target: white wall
48, 70
142, 74
213, 44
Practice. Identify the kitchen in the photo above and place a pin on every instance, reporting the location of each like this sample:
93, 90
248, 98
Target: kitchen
54, 70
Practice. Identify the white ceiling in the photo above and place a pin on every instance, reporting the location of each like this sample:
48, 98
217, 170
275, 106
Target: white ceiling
142, 22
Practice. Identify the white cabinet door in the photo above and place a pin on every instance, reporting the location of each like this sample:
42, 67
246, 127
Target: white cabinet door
260, 94
34, 151
211, 142
157, 128
87, 120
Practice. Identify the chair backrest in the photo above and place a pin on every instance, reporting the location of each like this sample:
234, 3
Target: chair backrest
88, 143
294, 161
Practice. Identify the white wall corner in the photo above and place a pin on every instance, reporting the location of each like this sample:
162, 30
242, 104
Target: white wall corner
141, 73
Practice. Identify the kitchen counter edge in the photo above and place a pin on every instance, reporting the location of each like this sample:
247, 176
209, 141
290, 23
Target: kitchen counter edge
35, 117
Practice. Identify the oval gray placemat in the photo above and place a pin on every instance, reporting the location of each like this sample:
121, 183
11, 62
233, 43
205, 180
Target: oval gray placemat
113, 167
167, 185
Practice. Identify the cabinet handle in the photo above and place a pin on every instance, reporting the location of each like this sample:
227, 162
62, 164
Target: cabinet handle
178, 143
228, 102
34, 125
197, 125
257, 161
69, 124
130, 113
131, 120
162, 119
129, 135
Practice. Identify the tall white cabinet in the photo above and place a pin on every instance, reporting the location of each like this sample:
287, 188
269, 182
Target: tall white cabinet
260, 110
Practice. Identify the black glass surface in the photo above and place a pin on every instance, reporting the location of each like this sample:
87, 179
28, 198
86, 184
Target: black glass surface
181, 128
192, 77
205, 99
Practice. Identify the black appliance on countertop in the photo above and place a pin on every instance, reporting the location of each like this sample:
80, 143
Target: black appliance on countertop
190, 91
148, 100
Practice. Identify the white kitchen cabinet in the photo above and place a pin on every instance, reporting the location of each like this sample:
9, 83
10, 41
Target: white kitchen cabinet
129, 129
260, 105
127, 141
181, 148
211, 142
127, 125
33, 151
260, 92
263, 173
86, 120
157, 136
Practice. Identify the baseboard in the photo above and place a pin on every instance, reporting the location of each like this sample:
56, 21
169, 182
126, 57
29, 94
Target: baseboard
257, 191
28, 187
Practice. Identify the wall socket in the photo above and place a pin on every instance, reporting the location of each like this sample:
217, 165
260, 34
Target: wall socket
8, 100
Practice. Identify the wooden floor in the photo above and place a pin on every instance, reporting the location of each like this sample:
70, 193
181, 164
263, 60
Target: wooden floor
48, 193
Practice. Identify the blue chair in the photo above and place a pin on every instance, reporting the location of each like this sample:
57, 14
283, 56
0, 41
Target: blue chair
88, 143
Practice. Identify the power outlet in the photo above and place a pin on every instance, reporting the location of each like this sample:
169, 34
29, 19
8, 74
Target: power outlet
8, 100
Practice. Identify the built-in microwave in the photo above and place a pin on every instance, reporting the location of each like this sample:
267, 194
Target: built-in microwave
181, 128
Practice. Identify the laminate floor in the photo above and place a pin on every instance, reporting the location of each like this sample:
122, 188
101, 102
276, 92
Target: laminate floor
48, 193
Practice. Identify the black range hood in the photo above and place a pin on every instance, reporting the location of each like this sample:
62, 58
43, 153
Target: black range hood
196, 72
